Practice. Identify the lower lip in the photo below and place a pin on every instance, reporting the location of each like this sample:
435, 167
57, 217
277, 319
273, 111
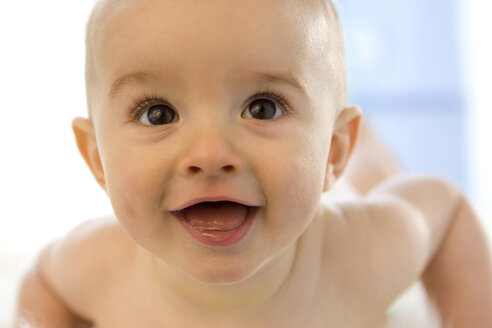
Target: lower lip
220, 238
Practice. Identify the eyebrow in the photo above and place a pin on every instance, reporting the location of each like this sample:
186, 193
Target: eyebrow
282, 78
132, 78
145, 77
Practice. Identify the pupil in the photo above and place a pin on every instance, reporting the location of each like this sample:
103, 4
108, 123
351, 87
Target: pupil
262, 109
160, 114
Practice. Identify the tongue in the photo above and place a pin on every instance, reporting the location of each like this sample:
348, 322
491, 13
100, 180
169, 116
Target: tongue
219, 216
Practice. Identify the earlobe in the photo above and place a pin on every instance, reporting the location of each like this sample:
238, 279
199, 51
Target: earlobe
86, 143
343, 141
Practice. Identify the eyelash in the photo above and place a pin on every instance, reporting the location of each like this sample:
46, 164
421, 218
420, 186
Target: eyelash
272, 95
149, 99
141, 104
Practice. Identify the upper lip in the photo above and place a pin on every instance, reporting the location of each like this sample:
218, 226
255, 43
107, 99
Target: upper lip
211, 199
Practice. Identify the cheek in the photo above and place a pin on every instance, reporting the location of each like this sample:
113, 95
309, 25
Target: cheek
134, 181
296, 183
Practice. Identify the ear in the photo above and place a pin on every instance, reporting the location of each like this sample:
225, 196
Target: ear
86, 142
343, 141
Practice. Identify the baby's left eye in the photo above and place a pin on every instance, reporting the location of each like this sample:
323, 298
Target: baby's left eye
262, 109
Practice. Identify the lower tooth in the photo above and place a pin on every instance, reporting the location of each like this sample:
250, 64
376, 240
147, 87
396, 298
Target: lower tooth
211, 227
220, 216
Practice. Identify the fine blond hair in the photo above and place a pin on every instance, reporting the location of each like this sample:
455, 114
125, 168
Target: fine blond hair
105, 8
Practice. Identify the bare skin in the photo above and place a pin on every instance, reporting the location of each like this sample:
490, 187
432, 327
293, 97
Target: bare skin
301, 264
330, 284
372, 162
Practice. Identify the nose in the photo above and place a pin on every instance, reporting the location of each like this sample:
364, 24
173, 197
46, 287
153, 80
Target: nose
210, 154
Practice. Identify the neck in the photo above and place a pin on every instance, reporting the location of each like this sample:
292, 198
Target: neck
247, 296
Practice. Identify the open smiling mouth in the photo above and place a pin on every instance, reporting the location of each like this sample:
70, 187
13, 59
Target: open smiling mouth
222, 223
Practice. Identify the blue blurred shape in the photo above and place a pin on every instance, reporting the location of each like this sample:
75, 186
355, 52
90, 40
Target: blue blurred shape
403, 69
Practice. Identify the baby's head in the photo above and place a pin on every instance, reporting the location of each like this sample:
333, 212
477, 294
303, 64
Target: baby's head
203, 100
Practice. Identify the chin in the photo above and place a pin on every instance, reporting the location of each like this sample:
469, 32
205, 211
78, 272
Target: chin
217, 275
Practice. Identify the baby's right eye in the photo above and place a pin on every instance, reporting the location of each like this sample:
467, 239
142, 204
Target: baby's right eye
158, 114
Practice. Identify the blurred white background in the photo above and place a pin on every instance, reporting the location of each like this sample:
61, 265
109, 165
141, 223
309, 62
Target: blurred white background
45, 188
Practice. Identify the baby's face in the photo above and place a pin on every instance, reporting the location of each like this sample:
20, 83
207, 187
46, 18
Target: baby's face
198, 99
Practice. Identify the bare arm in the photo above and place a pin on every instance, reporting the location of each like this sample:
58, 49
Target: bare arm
458, 268
73, 276
40, 306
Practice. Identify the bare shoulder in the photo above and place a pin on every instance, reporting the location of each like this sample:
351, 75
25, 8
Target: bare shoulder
382, 243
79, 266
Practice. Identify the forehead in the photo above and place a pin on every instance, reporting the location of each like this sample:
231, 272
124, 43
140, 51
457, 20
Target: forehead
214, 39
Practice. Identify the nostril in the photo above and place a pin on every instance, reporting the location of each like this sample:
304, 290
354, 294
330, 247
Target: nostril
194, 169
228, 168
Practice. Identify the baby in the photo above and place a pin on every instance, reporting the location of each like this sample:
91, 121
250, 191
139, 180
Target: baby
214, 128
